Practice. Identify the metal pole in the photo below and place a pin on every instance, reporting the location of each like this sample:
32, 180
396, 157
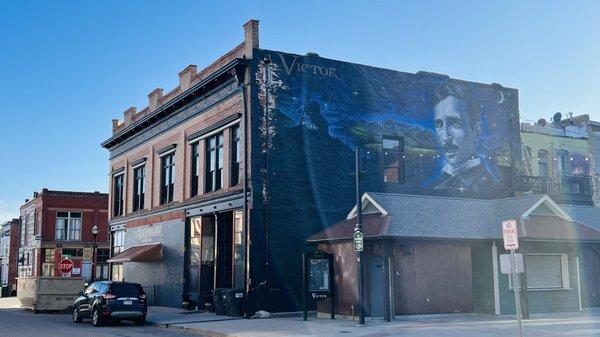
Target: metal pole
516, 287
93, 257
304, 288
360, 255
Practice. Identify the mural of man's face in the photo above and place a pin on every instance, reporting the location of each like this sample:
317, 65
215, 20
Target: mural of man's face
453, 130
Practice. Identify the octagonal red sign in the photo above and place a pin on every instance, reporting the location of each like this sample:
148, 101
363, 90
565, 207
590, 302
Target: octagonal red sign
65, 266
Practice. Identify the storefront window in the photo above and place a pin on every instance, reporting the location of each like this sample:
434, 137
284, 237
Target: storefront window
117, 272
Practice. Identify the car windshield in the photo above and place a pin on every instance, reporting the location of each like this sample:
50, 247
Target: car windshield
126, 289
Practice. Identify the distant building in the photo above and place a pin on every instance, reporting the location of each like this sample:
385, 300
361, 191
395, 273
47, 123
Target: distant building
57, 225
558, 161
9, 243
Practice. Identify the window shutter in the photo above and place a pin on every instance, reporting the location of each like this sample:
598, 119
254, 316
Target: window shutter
544, 271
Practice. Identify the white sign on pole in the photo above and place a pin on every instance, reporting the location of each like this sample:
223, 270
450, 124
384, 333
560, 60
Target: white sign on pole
506, 263
510, 235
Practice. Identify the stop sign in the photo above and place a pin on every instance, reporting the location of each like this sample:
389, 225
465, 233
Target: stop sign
65, 266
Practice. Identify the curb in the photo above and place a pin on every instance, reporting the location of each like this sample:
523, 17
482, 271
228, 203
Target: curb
206, 333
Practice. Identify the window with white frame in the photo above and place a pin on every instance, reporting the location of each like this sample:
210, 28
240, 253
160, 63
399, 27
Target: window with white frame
68, 226
118, 243
546, 271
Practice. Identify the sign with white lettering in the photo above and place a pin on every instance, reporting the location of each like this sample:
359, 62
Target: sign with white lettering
358, 241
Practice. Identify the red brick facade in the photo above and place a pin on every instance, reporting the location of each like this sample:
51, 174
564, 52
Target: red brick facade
38, 224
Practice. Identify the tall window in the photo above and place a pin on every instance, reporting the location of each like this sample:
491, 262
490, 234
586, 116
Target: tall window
138, 187
393, 149
118, 246
195, 172
101, 264
564, 164
167, 178
235, 155
48, 265
68, 226
118, 195
214, 163
543, 163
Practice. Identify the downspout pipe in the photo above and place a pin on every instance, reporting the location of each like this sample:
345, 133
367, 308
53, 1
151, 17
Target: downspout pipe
243, 89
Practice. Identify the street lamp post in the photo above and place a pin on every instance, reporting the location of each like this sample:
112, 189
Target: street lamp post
359, 228
94, 235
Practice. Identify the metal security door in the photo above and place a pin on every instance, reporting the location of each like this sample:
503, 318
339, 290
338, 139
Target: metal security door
376, 274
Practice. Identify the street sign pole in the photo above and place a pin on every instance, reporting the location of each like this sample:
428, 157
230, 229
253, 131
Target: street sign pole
510, 237
358, 232
516, 287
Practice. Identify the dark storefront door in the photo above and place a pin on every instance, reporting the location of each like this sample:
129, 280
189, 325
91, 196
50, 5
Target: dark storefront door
224, 258
590, 278
199, 273
209, 256
377, 285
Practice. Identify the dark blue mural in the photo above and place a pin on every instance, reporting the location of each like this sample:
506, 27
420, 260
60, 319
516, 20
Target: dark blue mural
419, 133
457, 137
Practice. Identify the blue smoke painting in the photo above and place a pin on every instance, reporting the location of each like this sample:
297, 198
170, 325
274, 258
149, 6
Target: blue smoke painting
422, 133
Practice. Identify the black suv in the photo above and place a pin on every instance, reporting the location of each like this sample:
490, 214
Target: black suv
111, 301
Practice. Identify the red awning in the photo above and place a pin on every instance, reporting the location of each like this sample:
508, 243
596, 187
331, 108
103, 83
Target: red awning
143, 253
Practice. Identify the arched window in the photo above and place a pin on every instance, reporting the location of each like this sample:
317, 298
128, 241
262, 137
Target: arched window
543, 163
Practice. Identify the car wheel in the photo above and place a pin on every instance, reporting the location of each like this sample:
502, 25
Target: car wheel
140, 321
97, 318
76, 317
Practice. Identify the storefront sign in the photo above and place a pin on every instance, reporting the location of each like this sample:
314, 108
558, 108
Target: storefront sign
87, 253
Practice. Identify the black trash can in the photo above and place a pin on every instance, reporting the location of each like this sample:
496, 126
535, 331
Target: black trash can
218, 302
234, 302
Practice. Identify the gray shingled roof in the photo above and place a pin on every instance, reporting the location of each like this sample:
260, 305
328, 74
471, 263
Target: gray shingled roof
443, 217
587, 215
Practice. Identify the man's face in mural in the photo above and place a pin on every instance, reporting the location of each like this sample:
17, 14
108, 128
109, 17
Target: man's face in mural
454, 131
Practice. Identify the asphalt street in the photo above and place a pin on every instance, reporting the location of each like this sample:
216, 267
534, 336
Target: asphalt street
21, 323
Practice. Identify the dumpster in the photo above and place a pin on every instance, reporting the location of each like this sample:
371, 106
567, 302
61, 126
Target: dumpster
218, 302
234, 302
48, 293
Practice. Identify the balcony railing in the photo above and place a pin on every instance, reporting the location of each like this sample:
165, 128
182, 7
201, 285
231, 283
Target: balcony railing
564, 189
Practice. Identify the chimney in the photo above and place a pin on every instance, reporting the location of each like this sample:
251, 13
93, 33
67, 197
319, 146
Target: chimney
186, 76
115, 124
250, 37
35, 194
128, 115
154, 99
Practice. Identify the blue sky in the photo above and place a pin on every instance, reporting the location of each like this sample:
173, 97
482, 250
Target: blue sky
68, 67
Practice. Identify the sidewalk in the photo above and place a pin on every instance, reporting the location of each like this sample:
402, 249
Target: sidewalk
10, 303
166, 316
586, 323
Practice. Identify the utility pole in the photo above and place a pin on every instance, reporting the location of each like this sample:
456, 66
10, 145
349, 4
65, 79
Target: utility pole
358, 241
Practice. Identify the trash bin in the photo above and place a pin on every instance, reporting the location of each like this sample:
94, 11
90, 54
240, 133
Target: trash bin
234, 302
218, 302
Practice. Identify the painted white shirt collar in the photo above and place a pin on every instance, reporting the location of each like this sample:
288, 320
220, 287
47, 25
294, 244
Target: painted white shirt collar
452, 170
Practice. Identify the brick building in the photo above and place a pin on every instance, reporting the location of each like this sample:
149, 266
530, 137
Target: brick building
9, 247
218, 182
58, 224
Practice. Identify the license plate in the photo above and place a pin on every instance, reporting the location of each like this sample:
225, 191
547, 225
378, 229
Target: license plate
127, 302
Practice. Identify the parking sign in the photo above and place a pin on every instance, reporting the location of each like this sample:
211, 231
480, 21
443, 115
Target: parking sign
510, 234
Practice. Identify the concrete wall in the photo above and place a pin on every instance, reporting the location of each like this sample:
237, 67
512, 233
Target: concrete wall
167, 274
